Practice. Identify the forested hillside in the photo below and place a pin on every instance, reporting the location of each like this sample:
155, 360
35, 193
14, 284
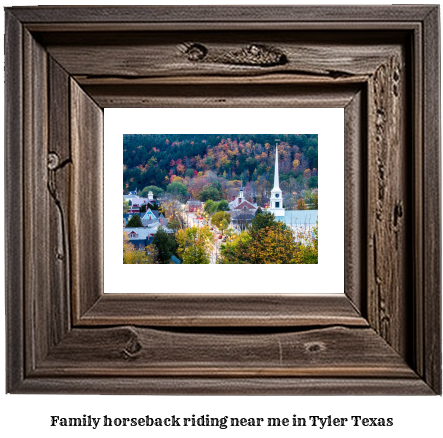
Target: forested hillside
220, 161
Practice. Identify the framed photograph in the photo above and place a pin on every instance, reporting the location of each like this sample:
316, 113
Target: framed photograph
229, 168
376, 326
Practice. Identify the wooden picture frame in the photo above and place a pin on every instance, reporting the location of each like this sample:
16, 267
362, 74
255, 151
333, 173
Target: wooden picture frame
65, 64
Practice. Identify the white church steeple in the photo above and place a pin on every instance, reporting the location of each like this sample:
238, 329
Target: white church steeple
276, 194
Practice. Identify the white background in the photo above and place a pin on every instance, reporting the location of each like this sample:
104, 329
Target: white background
328, 123
28, 415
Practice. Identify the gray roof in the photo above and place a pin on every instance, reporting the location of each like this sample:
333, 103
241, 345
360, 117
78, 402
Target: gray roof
142, 233
242, 216
149, 222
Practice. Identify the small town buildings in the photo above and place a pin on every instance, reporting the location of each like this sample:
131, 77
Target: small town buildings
142, 237
149, 215
240, 219
240, 204
154, 219
133, 210
194, 205
149, 219
130, 195
136, 203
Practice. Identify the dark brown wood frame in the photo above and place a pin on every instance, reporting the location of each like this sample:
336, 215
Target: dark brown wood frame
64, 65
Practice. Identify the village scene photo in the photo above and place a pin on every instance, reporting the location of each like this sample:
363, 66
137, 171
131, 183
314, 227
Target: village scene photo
220, 198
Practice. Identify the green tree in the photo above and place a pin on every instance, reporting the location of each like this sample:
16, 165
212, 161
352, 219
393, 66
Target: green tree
177, 188
174, 225
222, 205
209, 193
195, 245
189, 173
134, 222
125, 205
218, 217
312, 182
165, 244
209, 204
224, 225
312, 154
262, 220
152, 206
156, 191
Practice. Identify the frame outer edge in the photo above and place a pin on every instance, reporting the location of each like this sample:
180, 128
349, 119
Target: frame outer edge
220, 13
228, 386
14, 235
14, 196
432, 202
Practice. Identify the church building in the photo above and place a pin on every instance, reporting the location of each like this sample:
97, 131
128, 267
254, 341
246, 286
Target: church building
241, 204
276, 193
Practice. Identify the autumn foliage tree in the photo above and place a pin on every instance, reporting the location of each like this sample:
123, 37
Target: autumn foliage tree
158, 159
133, 256
307, 250
301, 204
315, 200
195, 245
218, 218
268, 241
125, 205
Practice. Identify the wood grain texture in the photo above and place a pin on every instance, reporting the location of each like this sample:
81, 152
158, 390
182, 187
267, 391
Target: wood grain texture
355, 186
224, 14
14, 238
86, 224
388, 202
289, 386
431, 316
227, 96
160, 54
63, 65
36, 203
59, 169
129, 351
239, 310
